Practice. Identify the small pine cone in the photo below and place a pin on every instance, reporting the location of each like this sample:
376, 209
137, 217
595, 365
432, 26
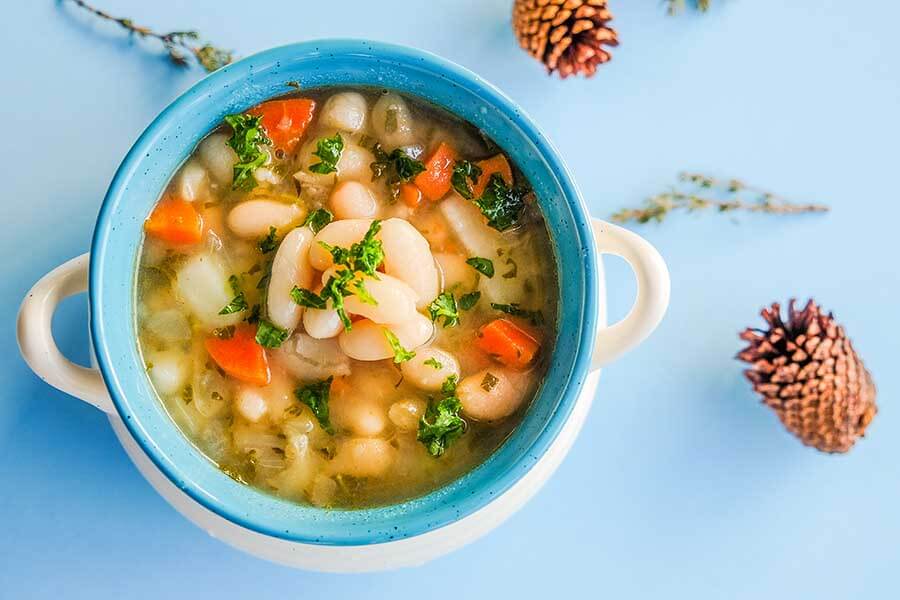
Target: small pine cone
807, 371
568, 36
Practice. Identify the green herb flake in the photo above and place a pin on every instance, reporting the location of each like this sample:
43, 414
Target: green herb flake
535, 316
444, 306
268, 243
485, 266
307, 299
335, 289
391, 120
513, 271
448, 387
500, 204
396, 168
441, 424
187, 394
464, 172
318, 219
269, 335
224, 333
433, 363
489, 382
255, 312
468, 301
401, 354
328, 151
246, 139
315, 396
359, 289
238, 303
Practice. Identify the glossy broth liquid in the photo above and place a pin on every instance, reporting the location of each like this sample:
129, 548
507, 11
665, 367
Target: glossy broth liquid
262, 435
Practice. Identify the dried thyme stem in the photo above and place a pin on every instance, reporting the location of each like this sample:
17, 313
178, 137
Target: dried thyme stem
735, 190
178, 44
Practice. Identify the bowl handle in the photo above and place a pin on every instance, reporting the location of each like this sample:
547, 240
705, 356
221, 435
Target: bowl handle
652, 291
35, 335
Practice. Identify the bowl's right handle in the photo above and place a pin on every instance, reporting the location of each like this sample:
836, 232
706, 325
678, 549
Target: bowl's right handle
653, 288
35, 335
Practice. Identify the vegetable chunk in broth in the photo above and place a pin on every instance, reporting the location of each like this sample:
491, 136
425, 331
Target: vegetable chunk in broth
346, 297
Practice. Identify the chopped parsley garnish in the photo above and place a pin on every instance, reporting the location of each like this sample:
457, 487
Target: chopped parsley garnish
359, 289
245, 140
365, 255
268, 243
401, 354
489, 381
485, 266
269, 335
397, 167
500, 204
315, 396
307, 298
441, 424
535, 316
463, 172
253, 317
328, 151
335, 289
433, 363
238, 303
468, 301
444, 306
318, 219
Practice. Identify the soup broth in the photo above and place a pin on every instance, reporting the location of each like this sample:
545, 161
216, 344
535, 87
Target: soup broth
346, 297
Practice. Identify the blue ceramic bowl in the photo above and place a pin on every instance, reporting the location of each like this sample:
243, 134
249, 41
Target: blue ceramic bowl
169, 140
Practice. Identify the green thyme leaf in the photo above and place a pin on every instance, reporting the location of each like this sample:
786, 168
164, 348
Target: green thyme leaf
444, 306
238, 303
316, 396
468, 301
318, 219
463, 172
401, 354
434, 363
448, 387
500, 204
328, 151
485, 266
307, 298
268, 243
269, 335
246, 139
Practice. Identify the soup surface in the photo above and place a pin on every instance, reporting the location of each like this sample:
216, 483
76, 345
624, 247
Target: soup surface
346, 297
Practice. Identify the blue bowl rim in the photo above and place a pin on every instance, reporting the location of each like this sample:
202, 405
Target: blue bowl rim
455, 74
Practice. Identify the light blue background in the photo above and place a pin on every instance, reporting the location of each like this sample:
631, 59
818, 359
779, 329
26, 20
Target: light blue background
681, 485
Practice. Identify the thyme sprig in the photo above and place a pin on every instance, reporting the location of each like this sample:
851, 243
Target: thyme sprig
677, 6
179, 45
733, 195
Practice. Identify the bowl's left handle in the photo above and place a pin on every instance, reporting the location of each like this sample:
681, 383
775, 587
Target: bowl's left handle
35, 335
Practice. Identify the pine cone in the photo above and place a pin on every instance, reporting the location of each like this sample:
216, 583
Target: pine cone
808, 372
566, 35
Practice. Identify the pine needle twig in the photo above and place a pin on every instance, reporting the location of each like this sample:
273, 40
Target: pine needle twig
738, 196
179, 45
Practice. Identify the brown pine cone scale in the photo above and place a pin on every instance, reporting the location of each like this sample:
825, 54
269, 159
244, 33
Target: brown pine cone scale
569, 36
807, 371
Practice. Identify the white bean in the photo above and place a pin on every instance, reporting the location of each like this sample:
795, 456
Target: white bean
490, 395
322, 324
289, 268
405, 414
362, 457
343, 233
169, 372
202, 284
457, 273
394, 300
367, 341
392, 121
192, 182
431, 376
353, 200
217, 156
407, 256
252, 219
251, 404
355, 163
355, 411
345, 111
307, 358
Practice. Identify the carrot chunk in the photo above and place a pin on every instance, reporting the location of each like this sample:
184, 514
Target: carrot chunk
285, 121
496, 164
507, 343
240, 356
434, 182
175, 221
410, 194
